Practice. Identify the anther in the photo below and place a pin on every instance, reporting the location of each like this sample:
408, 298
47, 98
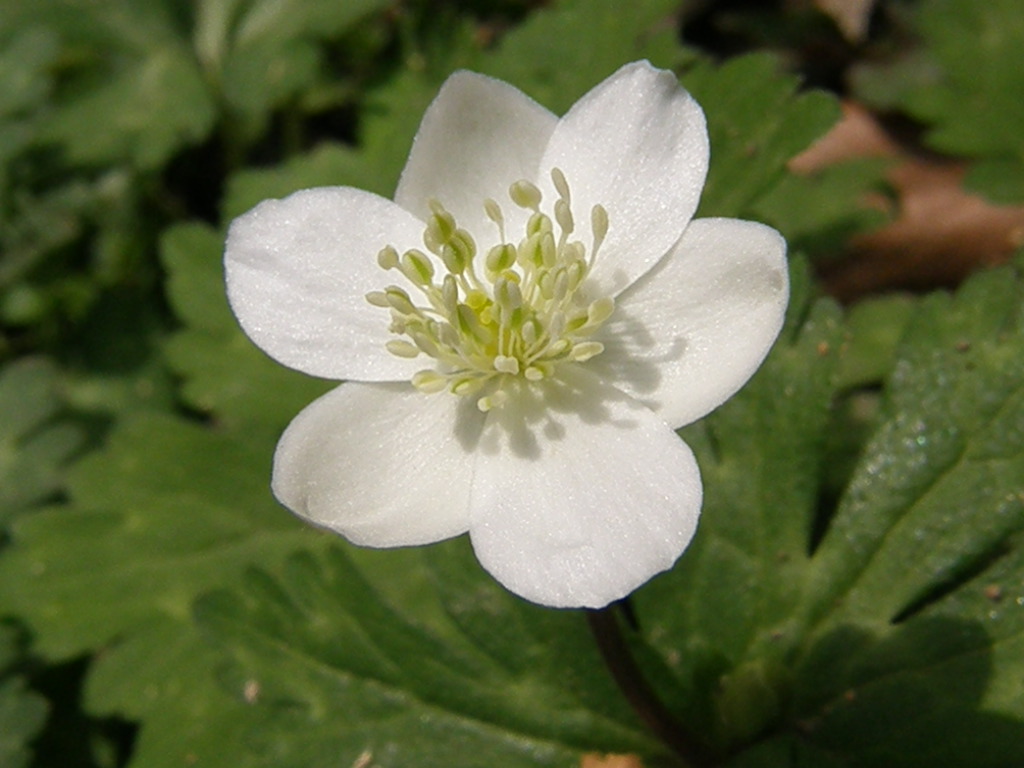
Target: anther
564, 216
442, 224
492, 401
387, 258
600, 310
521, 313
493, 211
599, 225
525, 194
500, 258
399, 301
402, 348
505, 364
586, 350
417, 267
429, 382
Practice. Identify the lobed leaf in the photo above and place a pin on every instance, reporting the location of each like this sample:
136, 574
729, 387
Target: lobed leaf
757, 122
964, 84
34, 445
559, 53
730, 599
320, 642
191, 508
886, 630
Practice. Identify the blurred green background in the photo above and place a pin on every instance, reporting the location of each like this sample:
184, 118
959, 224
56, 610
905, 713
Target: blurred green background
137, 423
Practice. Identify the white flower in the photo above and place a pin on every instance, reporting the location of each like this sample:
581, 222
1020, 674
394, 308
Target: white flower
521, 332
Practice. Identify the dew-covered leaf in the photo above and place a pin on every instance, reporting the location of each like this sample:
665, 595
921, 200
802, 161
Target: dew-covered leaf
938, 489
885, 628
917, 591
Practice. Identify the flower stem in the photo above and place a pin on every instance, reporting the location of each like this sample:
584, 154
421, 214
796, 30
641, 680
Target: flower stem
613, 647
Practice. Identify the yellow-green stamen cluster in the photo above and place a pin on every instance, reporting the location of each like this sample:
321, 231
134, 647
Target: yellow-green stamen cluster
515, 311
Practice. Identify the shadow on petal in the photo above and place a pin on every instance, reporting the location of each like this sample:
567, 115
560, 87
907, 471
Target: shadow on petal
533, 422
640, 374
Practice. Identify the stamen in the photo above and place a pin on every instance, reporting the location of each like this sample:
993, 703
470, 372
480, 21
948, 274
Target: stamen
599, 225
429, 381
493, 211
525, 195
417, 268
561, 185
600, 310
401, 348
524, 318
387, 258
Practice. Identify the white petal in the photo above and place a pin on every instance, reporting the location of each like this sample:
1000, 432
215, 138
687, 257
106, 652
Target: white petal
382, 464
581, 495
298, 271
638, 145
477, 137
693, 330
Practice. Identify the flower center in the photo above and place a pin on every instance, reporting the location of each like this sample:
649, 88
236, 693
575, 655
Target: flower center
516, 313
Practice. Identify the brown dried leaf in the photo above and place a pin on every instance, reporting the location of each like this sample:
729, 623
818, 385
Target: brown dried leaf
940, 232
851, 16
597, 760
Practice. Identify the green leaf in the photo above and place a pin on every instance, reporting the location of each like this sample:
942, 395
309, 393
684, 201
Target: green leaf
165, 676
263, 52
326, 165
189, 508
22, 714
975, 107
561, 52
143, 113
757, 122
937, 489
22, 711
320, 642
964, 84
25, 84
761, 457
224, 373
1000, 179
916, 593
875, 328
34, 444
552, 647
24, 81
138, 94
819, 213
883, 630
